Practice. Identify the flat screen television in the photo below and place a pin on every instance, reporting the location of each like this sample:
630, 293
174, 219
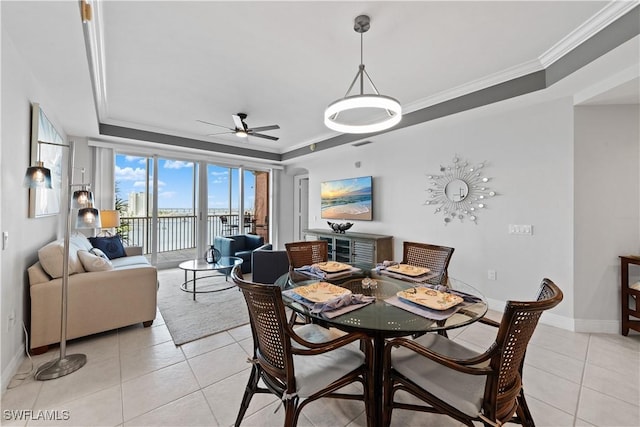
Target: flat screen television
349, 198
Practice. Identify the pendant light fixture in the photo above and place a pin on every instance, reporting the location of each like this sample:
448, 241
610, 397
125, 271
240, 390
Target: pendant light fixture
374, 101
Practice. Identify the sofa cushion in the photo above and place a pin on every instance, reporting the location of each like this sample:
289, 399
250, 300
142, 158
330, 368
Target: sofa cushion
92, 262
130, 261
37, 274
111, 246
51, 258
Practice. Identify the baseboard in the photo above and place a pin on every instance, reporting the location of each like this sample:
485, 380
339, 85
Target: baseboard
598, 326
12, 368
593, 326
561, 322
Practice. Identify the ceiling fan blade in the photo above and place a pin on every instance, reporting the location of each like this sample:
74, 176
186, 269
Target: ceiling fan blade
238, 122
262, 128
219, 133
213, 124
261, 135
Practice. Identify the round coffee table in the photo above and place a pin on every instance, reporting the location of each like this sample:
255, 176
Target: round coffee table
226, 263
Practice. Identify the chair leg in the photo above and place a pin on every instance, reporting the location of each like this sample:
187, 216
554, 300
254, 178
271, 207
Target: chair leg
387, 396
252, 385
291, 412
523, 412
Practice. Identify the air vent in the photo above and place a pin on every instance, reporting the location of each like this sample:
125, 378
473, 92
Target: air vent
359, 143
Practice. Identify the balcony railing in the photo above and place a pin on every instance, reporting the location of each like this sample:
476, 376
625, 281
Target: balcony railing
179, 232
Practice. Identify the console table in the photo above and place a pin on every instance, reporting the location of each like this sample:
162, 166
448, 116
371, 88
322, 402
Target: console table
351, 247
627, 311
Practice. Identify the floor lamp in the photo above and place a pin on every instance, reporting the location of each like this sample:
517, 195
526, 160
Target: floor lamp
88, 217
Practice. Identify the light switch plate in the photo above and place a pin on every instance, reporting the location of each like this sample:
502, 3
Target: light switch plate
526, 229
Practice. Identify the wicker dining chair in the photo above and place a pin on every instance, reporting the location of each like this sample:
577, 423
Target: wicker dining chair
468, 386
435, 258
303, 365
307, 252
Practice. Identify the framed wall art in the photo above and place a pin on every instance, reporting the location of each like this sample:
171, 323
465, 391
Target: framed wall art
45, 202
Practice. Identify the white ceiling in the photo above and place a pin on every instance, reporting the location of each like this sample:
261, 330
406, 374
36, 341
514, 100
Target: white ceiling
168, 63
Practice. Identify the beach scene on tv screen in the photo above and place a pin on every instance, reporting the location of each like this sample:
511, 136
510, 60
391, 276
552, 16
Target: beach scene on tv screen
346, 199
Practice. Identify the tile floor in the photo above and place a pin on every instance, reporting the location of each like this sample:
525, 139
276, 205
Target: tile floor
136, 377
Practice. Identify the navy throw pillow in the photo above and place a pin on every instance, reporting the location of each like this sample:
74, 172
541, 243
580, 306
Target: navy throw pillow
111, 246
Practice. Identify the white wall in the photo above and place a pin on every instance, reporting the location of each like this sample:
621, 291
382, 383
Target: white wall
528, 153
607, 199
26, 235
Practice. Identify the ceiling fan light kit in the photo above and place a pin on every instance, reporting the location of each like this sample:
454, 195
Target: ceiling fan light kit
391, 106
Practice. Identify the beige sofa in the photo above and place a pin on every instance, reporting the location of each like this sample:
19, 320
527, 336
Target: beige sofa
122, 293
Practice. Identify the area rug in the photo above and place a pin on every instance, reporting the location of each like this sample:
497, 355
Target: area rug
189, 320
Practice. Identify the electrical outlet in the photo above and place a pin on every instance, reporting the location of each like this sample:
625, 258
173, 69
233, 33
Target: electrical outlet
492, 275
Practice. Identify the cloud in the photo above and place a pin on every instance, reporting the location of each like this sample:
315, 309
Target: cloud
130, 174
137, 159
177, 164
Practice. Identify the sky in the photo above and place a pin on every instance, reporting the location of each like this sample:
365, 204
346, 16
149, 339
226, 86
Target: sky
175, 183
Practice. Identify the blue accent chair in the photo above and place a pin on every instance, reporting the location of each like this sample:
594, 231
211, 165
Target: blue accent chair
267, 265
241, 246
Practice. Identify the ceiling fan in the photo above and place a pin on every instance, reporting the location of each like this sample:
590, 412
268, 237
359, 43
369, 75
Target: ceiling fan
242, 130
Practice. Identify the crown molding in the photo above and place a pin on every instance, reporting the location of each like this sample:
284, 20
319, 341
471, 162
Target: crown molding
475, 85
94, 43
603, 18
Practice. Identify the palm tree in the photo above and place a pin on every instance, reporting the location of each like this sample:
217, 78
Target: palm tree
122, 206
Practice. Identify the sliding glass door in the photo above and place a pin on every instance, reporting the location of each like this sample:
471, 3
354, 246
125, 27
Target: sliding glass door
174, 208
238, 201
166, 229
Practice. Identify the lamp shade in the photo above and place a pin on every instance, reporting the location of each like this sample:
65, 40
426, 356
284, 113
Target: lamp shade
88, 218
82, 198
110, 218
38, 176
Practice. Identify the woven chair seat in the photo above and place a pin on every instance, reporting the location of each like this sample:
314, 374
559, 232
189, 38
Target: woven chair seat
314, 373
462, 391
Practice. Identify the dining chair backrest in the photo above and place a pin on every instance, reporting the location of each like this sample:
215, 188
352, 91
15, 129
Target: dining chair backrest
268, 320
519, 321
435, 258
307, 252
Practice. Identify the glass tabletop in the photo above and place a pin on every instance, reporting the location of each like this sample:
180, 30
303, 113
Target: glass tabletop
203, 265
382, 317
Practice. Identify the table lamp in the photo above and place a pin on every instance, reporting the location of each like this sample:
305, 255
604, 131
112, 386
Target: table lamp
110, 219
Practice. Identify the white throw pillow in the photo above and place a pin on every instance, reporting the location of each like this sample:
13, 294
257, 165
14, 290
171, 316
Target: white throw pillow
51, 258
80, 241
98, 252
93, 262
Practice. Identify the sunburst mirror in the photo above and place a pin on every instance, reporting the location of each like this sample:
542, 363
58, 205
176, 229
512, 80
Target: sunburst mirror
460, 191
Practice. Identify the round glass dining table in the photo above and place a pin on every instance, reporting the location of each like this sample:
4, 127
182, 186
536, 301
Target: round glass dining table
381, 319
